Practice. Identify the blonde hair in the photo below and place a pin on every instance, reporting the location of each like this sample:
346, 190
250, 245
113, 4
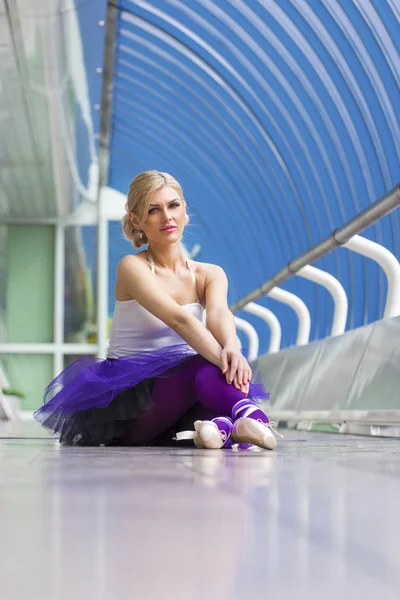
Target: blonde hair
140, 192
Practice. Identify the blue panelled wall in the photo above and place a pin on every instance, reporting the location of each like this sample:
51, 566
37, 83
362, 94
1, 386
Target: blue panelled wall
281, 121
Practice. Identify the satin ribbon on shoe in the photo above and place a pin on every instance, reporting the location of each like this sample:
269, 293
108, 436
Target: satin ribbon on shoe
185, 435
190, 435
271, 425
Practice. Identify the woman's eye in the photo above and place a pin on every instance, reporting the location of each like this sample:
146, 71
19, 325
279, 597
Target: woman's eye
170, 206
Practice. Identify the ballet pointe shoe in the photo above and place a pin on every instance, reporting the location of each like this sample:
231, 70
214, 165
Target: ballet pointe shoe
207, 435
213, 434
251, 431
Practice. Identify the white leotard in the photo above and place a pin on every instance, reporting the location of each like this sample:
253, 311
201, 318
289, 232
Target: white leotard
135, 329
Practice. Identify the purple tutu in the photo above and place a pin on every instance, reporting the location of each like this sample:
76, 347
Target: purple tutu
93, 401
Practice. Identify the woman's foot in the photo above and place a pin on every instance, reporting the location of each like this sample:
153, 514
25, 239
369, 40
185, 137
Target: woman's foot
213, 434
251, 431
207, 435
251, 425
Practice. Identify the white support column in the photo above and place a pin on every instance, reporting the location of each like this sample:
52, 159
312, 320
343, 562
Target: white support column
303, 314
102, 286
389, 264
112, 203
111, 208
336, 289
59, 277
272, 321
251, 334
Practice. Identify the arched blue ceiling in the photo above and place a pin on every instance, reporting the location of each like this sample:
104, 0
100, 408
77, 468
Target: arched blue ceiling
281, 121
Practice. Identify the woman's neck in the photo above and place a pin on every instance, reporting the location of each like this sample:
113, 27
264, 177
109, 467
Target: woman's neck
170, 258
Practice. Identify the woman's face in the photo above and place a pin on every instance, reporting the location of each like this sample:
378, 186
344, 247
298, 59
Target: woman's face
165, 219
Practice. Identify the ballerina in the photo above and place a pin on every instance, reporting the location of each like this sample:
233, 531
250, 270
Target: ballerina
163, 363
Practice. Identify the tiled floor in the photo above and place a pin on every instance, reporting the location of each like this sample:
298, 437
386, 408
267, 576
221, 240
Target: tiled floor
317, 519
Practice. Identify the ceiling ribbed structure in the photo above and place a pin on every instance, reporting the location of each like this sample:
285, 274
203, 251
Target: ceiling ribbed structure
280, 120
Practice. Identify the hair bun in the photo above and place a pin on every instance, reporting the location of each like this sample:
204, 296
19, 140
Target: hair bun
132, 233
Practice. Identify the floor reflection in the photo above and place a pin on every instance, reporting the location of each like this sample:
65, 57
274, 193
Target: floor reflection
318, 515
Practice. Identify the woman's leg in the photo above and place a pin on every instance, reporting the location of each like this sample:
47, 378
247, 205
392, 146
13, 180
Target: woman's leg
197, 380
173, 396
250, 423
213, 391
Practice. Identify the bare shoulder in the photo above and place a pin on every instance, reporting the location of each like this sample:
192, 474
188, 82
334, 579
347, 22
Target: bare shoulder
212, 281
129, 261
139, 256
207, 270
131, 271
215, 286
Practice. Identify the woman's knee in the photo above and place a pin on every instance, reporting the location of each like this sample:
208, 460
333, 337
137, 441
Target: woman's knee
207, 375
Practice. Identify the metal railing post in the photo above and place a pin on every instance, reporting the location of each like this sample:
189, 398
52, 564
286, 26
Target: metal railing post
252, 335
337, 292
301, 310
272, 321
389, 264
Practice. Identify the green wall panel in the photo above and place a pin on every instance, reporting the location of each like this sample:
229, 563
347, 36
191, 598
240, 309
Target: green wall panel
29, 374
29, 302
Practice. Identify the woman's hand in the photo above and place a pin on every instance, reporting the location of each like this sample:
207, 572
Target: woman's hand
244, 388
236, 368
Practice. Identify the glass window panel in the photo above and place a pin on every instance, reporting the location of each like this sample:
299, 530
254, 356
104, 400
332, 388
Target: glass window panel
27, 273
80, 284
3, 242
29, 374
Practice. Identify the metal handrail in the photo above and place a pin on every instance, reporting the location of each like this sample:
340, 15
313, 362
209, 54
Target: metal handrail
337, 238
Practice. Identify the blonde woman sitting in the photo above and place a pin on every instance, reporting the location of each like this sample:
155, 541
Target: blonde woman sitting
163, 364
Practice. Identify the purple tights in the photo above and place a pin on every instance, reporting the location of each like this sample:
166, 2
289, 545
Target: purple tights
196, 381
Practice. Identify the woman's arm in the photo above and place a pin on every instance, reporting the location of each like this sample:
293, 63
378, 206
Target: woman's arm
221, 323
137, 280
220, 320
